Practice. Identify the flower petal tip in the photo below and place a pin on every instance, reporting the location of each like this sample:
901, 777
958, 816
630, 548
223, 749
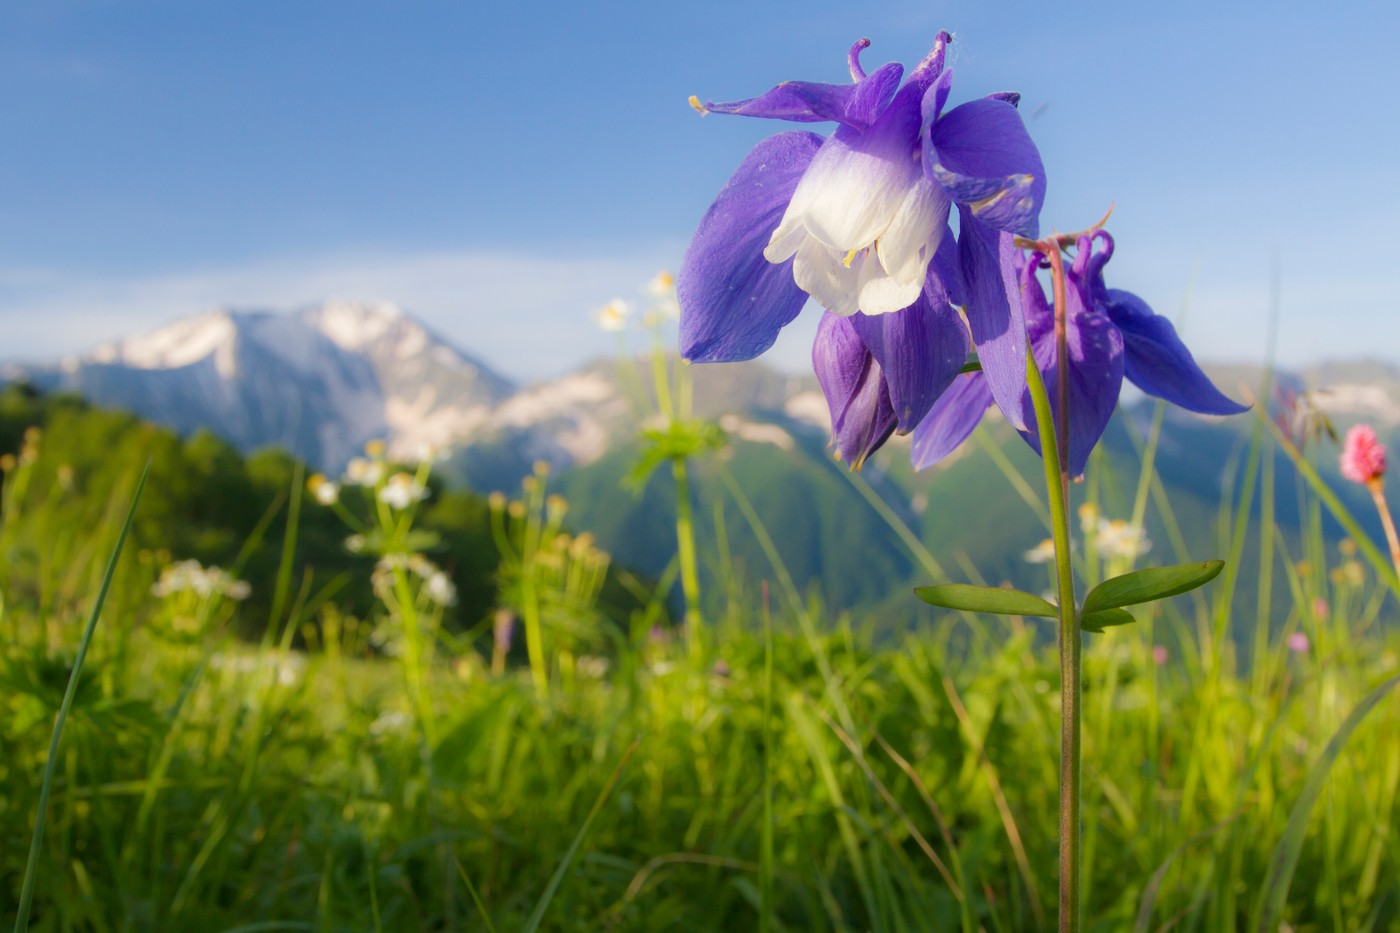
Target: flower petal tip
697, 106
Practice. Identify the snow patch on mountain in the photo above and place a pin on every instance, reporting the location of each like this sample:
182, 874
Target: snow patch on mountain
352, 325
757, 433
575, 409
1350, 400
809, 407
181, 343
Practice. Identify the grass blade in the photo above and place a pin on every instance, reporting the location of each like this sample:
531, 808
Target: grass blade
1149, 894
537, 915
1285, 855
31, 867
476, 898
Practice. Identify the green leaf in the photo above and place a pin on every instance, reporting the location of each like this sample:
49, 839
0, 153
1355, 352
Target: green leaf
992, 599
1104, 618
1144, 586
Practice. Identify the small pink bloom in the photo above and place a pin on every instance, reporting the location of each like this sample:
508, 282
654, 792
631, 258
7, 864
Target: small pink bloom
1363, 457
1298, 643
1159, 655
1320, 609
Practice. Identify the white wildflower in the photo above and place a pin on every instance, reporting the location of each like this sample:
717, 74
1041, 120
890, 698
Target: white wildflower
440, 589
662, 291
1119, 539
190, 576
613, 315
401, 491
362, 472
1042, 553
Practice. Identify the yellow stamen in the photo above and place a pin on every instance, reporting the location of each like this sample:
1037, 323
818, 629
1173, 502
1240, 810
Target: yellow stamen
695, 102
850, 257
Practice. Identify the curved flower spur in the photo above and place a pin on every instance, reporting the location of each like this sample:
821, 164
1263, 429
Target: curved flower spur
1111, 334
858, 221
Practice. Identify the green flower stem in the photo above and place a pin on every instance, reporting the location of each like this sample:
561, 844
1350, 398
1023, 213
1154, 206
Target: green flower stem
530, 609
415, 656
685, 552
1054, 456
674, 409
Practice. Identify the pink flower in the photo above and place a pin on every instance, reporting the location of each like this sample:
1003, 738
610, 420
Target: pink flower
1298, 643
1320, 609
1363, 457
1159, 655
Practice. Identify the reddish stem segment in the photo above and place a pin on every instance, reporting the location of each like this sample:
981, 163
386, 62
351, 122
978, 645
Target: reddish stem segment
1377, 487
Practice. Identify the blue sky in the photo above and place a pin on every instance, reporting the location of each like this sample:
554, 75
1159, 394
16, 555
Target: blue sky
502, 169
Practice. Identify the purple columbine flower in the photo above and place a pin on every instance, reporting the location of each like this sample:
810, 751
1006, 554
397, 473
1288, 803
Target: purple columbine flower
859, 222
1110, 334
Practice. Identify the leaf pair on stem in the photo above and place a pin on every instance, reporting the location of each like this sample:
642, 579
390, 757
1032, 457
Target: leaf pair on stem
1102, 608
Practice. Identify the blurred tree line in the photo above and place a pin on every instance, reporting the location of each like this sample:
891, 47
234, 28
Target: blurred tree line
70, 467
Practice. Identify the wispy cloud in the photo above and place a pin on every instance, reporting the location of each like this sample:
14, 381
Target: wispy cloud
528, 316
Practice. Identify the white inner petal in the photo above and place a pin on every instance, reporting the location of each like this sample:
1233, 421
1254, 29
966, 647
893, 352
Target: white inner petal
882, 294
848, 196
822, 273
908, 244
783, 244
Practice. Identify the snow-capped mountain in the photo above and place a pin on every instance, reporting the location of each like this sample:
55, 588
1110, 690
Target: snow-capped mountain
323, 381
320, 383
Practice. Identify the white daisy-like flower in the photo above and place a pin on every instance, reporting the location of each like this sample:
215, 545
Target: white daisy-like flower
401, 491
1042, 553
362, 472
441, 589
613, 315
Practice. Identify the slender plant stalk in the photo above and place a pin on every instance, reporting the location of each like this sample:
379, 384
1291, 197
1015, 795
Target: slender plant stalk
1053, 426
685, 553
530, 609
675, 409
766, 860
1377, 488
26, 897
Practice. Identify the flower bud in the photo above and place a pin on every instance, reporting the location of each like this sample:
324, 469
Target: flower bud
862, 417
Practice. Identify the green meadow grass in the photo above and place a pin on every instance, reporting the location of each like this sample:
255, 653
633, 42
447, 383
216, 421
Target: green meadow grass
799, 770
